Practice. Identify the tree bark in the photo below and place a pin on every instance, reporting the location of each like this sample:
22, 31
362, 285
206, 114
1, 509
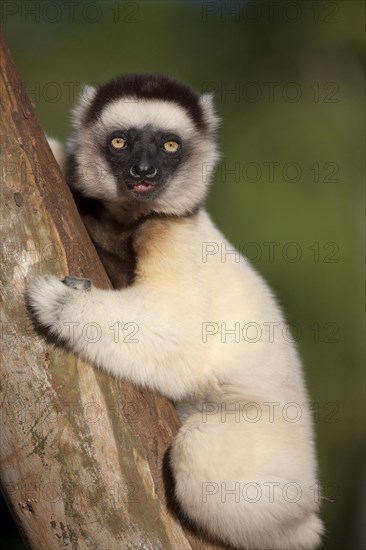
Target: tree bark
81, 453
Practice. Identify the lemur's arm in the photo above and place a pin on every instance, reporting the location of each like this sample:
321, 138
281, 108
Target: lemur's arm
139, 332
130, 333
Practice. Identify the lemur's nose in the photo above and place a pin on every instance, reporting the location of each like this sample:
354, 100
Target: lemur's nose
143, 169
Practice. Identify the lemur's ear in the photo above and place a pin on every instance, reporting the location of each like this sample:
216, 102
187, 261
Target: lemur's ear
85, 99
207, 105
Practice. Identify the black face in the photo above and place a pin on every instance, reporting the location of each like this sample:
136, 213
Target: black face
143, 160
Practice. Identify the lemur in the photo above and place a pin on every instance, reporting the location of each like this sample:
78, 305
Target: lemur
139, 163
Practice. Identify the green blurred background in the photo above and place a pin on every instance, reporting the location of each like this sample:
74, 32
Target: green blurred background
289, 85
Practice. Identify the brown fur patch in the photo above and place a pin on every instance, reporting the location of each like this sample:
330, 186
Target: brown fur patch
153, 245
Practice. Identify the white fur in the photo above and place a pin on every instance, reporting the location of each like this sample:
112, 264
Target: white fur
58, 151
207, 106
216, 383
171, 357
157, 113
86, 97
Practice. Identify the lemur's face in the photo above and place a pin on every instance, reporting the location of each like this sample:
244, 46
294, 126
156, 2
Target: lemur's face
143, 160
145, 145
136, 150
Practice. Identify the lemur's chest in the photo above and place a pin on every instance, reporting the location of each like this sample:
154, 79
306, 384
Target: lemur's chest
133, 246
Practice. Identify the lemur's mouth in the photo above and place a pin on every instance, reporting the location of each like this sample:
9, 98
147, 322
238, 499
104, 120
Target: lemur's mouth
142, 187
144, 190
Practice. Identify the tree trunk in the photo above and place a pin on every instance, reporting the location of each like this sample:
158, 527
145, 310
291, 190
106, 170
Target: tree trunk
81, 453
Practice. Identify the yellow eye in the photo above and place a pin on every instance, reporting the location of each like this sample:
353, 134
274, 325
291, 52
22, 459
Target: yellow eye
118, 143
171, 146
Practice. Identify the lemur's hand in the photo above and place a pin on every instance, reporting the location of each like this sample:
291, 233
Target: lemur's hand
77, 283
48, 300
